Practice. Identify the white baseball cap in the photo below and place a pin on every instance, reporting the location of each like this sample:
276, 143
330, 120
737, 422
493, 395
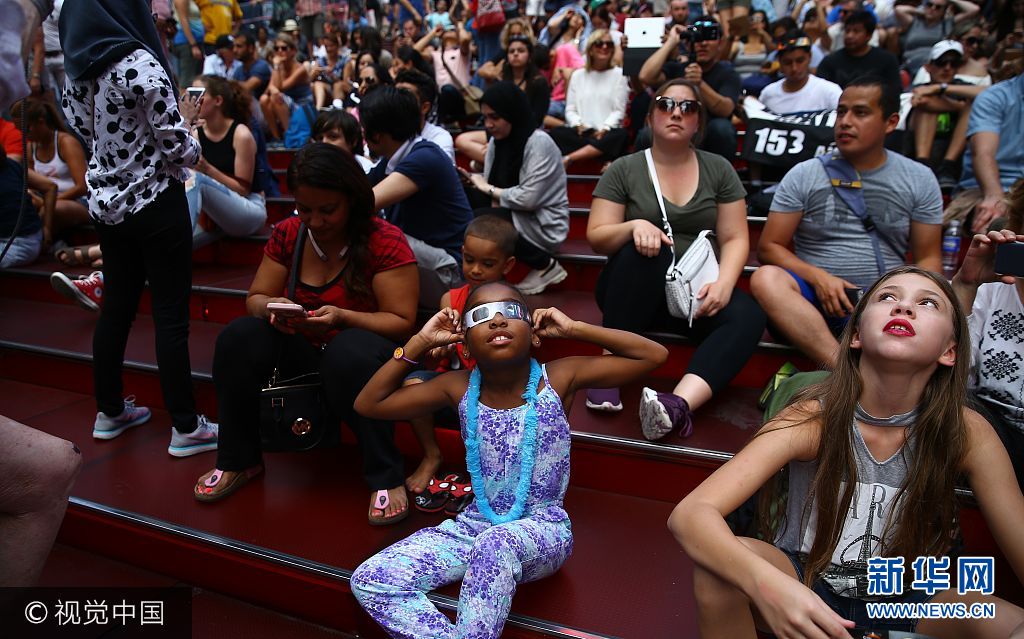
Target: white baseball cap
945, 46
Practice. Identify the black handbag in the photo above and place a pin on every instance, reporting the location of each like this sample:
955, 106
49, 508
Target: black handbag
293, 415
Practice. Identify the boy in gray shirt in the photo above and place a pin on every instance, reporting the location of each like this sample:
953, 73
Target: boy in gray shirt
809, 290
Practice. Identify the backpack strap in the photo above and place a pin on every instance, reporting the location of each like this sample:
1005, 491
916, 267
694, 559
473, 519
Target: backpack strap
850, 189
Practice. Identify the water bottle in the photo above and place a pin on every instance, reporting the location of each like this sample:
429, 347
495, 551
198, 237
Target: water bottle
951, 248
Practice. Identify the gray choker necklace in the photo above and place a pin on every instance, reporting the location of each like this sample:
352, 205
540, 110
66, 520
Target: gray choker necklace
900, 419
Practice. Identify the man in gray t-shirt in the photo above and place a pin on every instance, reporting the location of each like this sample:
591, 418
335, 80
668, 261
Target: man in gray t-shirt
814, 250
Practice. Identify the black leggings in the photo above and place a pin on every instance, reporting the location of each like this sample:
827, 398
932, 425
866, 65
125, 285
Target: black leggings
611, 144
526, 251
154, 244
631, 294
247, 351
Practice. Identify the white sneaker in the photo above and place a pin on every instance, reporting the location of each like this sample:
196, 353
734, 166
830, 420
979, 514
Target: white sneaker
537, 280
202, 439
110, 427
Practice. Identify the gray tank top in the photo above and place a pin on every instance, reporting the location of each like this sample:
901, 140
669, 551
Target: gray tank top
870, 511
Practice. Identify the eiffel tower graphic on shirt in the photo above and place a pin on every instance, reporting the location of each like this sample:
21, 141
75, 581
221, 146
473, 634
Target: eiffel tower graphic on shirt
850, 578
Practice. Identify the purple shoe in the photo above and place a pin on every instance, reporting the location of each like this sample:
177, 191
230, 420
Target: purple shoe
604, 399
661, 413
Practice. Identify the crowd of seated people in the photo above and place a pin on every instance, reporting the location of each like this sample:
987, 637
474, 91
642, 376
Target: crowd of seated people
388, 223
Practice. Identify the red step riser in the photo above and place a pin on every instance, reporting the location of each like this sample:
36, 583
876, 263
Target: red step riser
202, 306
581, 192
323, 601
277, 211
303, 595
593, 466
76, 376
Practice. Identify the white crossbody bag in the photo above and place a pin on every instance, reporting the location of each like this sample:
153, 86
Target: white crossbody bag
697, 267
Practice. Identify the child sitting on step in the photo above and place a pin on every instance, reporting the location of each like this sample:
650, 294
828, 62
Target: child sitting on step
861, 487
517, 452
487, 256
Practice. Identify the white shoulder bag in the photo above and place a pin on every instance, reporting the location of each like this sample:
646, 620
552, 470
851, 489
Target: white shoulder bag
697, 267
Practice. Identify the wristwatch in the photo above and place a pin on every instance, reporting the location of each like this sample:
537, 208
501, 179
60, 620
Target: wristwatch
399, 354
942, 88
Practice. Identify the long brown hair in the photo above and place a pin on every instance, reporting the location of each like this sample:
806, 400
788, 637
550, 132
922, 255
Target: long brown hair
36, 109
325, 166
925, 520
237, 101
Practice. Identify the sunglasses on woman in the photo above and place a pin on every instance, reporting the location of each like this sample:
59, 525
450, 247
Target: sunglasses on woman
282, 48
604, 44
509, 309
666, 104
973, 41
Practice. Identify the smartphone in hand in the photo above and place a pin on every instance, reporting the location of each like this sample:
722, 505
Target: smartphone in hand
1010, 259
286, 310
195, 94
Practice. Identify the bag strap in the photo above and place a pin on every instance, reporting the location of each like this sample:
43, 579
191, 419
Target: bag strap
455, 80
293, 279
661, 200
850, 188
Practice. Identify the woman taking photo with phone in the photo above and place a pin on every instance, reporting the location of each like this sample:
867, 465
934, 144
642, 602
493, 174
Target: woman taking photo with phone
700, 191
223, 181
994, 303
358, 283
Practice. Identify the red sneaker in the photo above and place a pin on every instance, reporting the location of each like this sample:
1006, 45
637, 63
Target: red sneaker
87, 292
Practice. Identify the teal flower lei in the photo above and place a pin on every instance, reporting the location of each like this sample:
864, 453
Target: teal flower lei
528, 447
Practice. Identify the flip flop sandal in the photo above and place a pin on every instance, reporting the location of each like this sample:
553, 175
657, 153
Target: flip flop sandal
380, 502
212, 489
437, 494
461, 496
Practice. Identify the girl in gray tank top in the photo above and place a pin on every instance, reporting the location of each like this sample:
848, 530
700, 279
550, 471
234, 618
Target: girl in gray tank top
872, 456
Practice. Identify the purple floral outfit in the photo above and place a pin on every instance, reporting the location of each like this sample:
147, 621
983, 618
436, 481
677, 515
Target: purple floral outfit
489, 559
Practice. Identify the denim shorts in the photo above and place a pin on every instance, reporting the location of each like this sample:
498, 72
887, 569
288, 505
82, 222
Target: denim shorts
835, 324
447, 415
856, 609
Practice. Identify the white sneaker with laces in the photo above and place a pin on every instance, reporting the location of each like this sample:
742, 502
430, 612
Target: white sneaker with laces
202, 439
537, 280
107, 427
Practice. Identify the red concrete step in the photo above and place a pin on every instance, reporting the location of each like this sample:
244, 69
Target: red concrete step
612, 586
265, 545
281, 208
580, 187
214, 615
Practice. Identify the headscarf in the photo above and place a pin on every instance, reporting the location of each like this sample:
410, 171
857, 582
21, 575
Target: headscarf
510, 103
96, 33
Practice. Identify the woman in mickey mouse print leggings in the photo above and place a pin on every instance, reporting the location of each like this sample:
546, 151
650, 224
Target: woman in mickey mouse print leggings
121, 100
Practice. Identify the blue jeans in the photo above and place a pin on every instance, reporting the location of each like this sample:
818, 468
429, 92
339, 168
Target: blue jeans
556, 109
233, 214
24, 249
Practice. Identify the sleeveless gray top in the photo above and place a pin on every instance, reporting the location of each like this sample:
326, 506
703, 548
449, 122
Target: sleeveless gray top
870, 511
